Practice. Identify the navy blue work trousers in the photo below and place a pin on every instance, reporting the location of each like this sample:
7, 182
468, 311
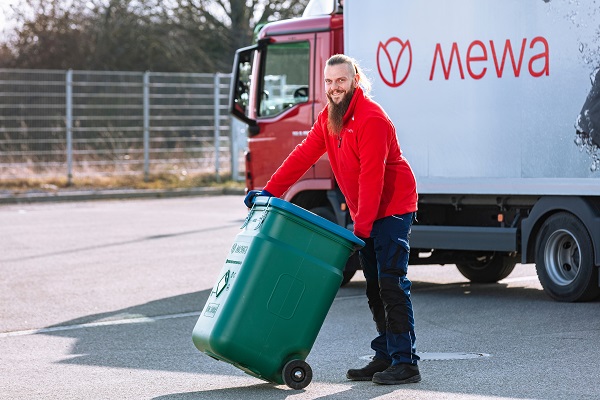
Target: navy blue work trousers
384, 261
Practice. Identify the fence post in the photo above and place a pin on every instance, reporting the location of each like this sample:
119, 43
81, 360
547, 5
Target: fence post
217, 111
146, 102
233, 150
69, 124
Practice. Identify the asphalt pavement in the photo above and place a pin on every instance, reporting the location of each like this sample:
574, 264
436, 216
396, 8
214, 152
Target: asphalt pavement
98, 300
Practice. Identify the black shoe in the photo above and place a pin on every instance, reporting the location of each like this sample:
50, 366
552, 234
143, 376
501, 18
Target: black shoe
366, 373
397, 374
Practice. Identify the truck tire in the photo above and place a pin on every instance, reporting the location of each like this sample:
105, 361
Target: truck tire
564, 258
353, 263
487, 269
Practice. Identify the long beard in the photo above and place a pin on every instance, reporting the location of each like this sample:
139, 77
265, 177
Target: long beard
335, 120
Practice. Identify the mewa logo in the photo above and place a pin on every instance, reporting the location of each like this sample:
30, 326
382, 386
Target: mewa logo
394, 60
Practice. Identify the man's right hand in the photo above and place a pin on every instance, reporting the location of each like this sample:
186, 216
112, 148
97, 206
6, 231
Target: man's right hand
249, 199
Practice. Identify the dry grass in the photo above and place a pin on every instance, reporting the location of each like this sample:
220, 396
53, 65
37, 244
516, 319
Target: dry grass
156, 182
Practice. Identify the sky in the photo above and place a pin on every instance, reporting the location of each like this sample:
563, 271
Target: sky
4, 6
4, 9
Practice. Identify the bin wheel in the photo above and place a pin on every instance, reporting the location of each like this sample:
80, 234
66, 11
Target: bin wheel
297, 374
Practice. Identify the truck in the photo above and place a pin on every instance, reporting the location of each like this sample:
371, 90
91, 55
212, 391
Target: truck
497, 108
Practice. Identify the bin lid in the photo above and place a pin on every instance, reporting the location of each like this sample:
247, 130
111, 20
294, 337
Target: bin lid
310, 217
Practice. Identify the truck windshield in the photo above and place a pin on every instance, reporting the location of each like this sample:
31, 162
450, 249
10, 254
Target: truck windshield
285, 77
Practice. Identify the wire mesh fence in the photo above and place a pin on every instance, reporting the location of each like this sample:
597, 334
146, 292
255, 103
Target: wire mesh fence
92, 123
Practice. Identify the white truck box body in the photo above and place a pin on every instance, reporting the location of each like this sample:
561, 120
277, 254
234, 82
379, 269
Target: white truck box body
464, 128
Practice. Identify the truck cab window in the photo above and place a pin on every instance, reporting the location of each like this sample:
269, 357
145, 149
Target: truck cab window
285, 78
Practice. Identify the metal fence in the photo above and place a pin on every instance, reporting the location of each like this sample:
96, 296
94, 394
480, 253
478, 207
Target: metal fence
89, 123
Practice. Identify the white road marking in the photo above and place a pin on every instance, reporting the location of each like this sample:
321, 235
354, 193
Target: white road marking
127, 321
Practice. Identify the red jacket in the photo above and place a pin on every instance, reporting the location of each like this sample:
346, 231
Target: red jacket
366, 160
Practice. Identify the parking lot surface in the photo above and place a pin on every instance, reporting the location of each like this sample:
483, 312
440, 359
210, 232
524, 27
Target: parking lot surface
98, 300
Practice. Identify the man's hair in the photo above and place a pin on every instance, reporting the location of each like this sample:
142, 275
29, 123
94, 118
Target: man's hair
363, 81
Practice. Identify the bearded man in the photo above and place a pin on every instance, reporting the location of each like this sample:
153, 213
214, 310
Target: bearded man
380, 190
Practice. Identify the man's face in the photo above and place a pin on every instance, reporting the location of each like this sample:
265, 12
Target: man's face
340, 81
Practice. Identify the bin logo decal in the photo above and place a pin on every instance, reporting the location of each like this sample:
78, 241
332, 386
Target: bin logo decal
239, 249
389, 56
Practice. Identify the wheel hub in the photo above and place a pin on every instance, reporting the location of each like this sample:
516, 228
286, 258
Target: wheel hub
298, 375
562, 257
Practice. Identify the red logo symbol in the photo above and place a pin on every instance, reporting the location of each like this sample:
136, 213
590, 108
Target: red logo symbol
389, 56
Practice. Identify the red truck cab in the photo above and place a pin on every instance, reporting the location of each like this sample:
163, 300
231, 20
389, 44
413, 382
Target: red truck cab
279, 92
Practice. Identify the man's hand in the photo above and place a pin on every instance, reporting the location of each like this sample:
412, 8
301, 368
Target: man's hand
249, 199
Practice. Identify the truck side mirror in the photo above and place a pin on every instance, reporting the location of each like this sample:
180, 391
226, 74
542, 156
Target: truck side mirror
241, 85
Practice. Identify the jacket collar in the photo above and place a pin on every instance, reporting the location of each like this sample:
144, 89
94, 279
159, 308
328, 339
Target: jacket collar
358, 94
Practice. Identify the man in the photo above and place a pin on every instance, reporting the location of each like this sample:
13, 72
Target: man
380, 190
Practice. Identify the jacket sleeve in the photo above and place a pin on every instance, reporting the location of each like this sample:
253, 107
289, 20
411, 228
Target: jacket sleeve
304, 155
373, 149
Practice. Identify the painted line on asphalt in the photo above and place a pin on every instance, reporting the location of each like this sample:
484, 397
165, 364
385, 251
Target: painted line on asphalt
126, 321
141, 320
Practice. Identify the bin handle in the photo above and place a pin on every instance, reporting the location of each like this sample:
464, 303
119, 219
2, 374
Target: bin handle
247, 218
260, 201
262, 218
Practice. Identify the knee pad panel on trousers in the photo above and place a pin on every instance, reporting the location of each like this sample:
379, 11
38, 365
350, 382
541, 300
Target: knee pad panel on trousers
396, 304
376, 305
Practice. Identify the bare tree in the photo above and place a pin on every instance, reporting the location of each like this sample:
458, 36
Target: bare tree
168, 35
47, 38
231, 24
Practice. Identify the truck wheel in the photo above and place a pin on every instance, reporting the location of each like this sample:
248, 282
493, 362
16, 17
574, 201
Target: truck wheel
564, 259
297, 374
353, 263
488, 268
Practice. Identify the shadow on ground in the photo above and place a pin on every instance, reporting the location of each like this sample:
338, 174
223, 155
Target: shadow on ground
125, 338
478, 315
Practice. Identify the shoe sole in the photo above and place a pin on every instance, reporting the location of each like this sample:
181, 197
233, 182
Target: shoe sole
359, 378
412, 379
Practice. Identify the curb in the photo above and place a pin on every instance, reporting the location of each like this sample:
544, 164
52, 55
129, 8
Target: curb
111, 194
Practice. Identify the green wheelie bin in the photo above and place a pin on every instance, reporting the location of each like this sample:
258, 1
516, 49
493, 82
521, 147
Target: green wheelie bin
274, 291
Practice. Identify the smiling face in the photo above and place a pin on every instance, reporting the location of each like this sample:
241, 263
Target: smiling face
340, 81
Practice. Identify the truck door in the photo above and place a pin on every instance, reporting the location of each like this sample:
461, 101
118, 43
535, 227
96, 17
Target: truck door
278, 101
